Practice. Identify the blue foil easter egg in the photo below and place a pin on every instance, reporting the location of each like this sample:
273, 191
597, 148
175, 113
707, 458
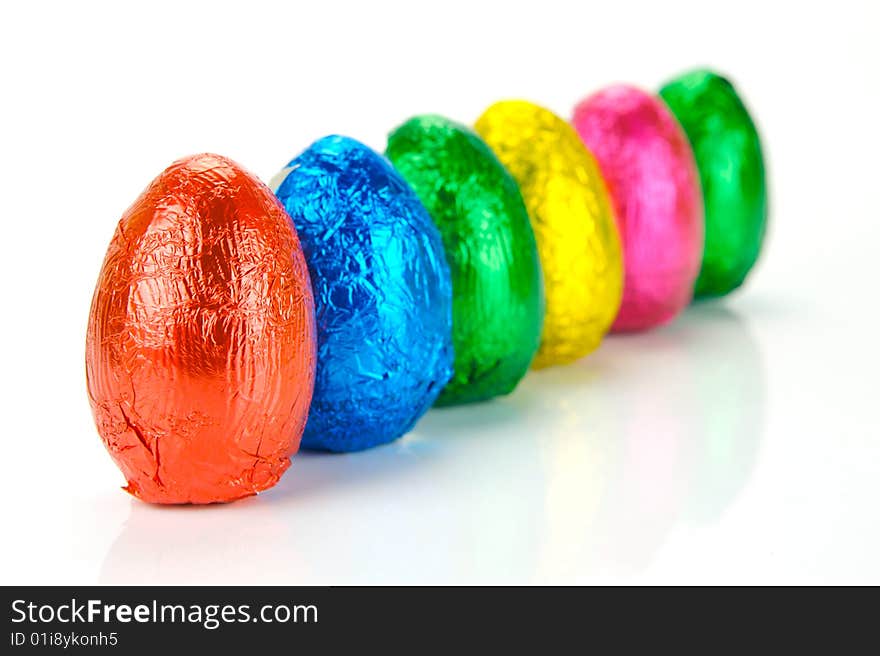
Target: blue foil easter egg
383, 294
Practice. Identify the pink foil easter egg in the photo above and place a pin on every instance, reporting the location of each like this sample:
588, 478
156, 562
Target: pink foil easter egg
652, 178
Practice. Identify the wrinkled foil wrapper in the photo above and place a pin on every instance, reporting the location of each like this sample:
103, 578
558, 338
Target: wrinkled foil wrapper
649, 168
573, 223
383, 294
200, 353
498, 303
731, 166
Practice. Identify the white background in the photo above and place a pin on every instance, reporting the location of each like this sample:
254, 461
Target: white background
738, 445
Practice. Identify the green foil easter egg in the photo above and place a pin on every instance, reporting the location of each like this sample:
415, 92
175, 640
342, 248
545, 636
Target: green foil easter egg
731, 165
498, 298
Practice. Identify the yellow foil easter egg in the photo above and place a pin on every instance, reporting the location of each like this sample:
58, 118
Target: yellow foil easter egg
573, 221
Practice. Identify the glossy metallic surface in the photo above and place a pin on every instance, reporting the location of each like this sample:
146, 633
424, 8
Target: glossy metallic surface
731, 166
383, 294
498, 302
650, 171
574, 226
200, 353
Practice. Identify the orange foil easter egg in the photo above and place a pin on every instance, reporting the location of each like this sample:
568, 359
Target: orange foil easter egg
200, 353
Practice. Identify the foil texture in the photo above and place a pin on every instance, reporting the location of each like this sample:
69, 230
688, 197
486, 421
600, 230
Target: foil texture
730, 162
383, 294
200, 352
650, 171
573, 221
498, 300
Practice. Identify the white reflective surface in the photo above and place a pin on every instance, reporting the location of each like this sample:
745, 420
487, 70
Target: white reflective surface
583, 471
736, 445
696, 453
654, 460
